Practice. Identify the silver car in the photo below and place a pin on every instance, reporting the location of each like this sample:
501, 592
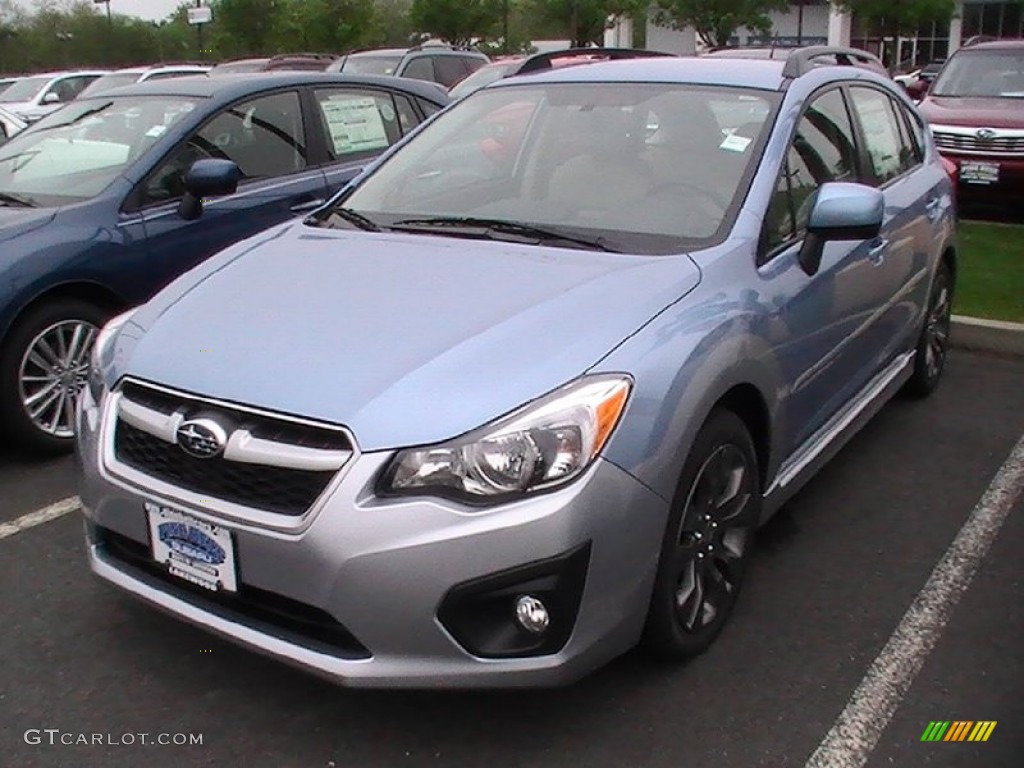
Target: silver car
519, 397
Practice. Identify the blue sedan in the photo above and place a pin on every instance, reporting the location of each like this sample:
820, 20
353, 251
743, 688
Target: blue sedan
106, 201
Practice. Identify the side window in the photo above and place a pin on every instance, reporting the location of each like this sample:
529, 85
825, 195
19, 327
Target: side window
429, 108
264, 136
407, 117
914, 131
420, 68
449, 70
472, 63
822, 150
885, 146
357, 122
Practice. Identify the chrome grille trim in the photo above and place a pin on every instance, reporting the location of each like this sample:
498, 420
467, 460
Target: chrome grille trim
1004, 142
202, 506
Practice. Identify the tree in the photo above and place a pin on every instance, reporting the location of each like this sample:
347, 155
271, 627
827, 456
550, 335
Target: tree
329, 26
715, 21
456, 21
584, 21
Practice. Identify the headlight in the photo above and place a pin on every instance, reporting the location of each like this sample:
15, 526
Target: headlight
543, 445
101, 349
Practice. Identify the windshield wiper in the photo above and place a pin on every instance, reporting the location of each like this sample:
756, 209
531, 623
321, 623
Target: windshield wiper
79, 117
352, 217
489, 227
9, 198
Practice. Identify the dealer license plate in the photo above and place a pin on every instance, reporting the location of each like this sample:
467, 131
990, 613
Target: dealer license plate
192, 549
979, 173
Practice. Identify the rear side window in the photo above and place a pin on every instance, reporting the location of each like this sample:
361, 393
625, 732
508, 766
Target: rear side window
887, 149
822, 150
449, 69
419, 68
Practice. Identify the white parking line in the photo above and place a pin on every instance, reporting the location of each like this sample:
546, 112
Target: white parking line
40, 516
860, 725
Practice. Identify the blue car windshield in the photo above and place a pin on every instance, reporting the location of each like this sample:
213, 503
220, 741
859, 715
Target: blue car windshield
638, 167
76, 152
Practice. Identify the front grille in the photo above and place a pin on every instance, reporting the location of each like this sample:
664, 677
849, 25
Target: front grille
999, 145
272, 489
271, 482
268, 612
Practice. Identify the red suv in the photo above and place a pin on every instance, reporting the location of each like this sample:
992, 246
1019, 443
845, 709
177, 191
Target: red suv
976, 111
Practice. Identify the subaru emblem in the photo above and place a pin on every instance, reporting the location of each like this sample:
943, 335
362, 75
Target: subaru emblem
985, 134
202, 438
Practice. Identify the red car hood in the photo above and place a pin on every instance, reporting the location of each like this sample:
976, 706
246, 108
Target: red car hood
973, 111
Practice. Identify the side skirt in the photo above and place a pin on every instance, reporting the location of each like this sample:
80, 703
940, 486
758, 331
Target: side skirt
820, 447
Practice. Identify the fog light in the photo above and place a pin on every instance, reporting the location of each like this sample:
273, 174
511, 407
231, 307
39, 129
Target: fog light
532, 614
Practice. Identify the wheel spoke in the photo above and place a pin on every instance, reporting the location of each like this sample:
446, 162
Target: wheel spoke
54, 424
74, 345
35, 397
68, 413
40, 408
690, 597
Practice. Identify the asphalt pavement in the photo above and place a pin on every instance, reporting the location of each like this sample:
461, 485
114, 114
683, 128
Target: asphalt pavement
835, 573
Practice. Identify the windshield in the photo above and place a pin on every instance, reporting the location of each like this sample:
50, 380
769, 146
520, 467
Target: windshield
982, 73
371, 65
480, 78
644, 168
107, 82
25, 90
74, 154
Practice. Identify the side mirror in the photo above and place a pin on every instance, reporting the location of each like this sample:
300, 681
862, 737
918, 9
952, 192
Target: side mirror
51, 98
207, 178
840, 211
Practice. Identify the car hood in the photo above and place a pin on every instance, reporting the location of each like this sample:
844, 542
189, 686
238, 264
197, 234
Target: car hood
17, 107
404, 339
15, 222
973, 111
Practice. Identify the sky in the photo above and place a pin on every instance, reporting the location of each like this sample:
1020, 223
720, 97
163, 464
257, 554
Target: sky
151, 10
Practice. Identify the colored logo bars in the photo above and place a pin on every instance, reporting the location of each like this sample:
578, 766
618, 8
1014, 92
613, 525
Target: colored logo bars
958, 730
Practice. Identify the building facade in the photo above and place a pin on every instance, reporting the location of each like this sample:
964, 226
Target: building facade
815, 22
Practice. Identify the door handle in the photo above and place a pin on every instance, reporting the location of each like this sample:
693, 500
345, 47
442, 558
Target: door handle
876, 253
306, 207
933, 209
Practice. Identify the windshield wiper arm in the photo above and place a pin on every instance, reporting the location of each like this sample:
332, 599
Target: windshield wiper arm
502, 226
352, 217
9, 198
79, 117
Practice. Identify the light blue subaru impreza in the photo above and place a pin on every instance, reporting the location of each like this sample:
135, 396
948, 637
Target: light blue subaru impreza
519, 398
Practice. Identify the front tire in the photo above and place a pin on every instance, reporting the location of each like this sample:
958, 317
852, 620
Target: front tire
44, 364
933, 344
708, 541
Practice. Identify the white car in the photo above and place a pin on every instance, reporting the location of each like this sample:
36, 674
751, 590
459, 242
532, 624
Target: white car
33, 98
10, 124
141, 74
7, 82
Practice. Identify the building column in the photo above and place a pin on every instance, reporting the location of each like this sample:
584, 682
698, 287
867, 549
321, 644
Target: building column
620, 34
956, 27
839, 27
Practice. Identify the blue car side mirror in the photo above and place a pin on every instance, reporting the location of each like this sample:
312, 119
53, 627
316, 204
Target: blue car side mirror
207, 178
840, 211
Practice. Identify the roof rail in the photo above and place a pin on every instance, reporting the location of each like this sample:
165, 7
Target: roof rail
541, 61
801, 60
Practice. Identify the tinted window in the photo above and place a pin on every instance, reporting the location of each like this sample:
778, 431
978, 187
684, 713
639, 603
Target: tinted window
357, 122
885, 148
450, 70
265, 137
822, 150
419, 68
428, 107
407, 116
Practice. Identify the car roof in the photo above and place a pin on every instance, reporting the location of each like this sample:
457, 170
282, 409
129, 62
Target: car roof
764, 74
994, 45
234, 86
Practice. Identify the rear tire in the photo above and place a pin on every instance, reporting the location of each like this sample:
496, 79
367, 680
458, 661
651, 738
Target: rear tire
708, 541
43, 367
933, 344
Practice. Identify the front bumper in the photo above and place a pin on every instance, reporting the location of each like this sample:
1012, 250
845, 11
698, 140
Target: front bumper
1007, 186
364, 582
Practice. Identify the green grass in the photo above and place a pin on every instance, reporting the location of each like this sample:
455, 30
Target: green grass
990, 275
